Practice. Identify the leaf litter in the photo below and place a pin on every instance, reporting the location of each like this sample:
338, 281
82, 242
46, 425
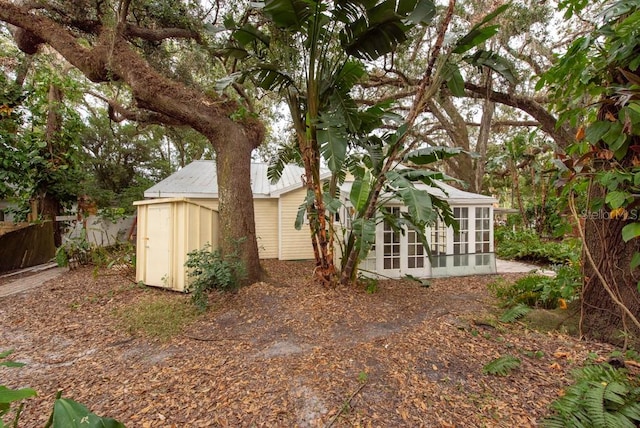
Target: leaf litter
286, 352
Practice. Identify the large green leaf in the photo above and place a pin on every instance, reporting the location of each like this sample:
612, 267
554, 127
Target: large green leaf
224, 82
10, 395
360, 190
331, 204
374, 41
292, 14
248, 34
302, 209
418, 201
423, 12
375, 158
365, 233
497, 63
630, 231
479, 33
379, 27
270, 77
425, 176
474, 38
333, 146
453, 79
396, 180
70, 414
286, 154
344, 107
431, 154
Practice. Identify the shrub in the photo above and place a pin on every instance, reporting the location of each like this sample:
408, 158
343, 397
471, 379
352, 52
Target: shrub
119, 254
210, 270
74, 252
528, 246
541, 291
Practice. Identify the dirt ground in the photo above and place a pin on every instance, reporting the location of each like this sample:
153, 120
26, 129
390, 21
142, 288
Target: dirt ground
285, 353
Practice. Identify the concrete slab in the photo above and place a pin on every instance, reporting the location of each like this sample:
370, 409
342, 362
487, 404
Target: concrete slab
30, 282
511, 266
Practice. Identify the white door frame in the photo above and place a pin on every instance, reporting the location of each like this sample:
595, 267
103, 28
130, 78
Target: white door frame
396, 251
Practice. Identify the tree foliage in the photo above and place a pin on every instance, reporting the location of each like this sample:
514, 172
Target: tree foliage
317, 78
596, 86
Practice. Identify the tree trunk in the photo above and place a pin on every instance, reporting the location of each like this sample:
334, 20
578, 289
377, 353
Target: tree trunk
236, 210
50, 207
602, 318
162, 100
488, 108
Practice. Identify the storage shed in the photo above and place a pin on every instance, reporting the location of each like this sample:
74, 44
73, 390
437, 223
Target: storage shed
168, 228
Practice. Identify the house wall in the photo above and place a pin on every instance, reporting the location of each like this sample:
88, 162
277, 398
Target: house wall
294, 244
266, 214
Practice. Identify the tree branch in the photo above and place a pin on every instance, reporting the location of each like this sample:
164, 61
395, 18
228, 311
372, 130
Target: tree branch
118, 113
159, 34
548, 122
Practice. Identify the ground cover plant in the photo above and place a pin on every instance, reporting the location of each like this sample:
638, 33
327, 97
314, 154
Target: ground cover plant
527, 245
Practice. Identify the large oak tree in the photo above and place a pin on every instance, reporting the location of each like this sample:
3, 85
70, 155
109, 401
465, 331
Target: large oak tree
107, 42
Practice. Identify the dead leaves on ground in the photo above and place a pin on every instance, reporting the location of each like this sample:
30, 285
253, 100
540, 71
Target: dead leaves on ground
286, 352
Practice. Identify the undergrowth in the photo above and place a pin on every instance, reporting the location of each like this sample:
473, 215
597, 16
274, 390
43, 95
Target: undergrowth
210, 270
529, 246
158, 317
539, 291
602, 396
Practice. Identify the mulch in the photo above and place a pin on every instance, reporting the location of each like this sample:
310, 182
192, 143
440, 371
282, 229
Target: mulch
286, 352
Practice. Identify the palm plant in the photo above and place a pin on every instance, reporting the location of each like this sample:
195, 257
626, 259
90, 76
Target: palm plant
312, 52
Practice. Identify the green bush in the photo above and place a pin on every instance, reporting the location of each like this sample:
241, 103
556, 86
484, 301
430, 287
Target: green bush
528, 246
539, 291
75, 251
121, 253
210, 270
602, 396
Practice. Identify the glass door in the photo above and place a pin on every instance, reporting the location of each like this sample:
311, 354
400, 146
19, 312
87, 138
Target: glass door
391, 245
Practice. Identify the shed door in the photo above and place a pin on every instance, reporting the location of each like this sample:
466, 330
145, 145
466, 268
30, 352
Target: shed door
158, 241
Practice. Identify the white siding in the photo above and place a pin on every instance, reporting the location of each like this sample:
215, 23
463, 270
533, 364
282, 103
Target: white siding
294, 244
266, 213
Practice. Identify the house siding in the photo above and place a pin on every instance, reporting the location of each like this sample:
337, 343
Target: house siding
294, 244
266, 213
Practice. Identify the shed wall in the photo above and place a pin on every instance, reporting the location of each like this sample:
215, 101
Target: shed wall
167, 232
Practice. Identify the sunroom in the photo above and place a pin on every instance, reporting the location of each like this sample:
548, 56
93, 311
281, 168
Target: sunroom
468, 251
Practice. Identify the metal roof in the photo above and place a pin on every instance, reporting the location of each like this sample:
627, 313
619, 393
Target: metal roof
199, 179
447, 192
